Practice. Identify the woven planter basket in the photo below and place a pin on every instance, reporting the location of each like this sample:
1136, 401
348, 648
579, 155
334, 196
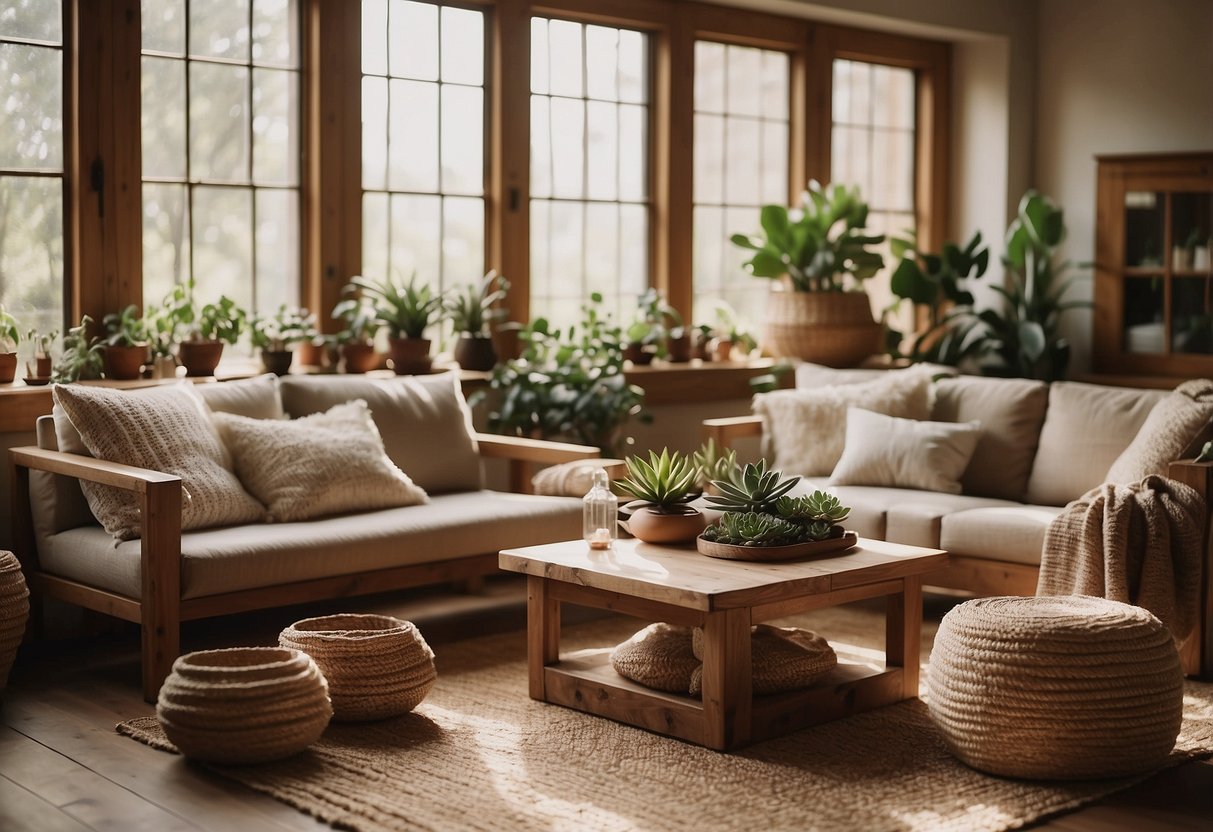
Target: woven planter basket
1056, 687
14, 612
782, 658
244, 705
831, 328
658, 657
377, 666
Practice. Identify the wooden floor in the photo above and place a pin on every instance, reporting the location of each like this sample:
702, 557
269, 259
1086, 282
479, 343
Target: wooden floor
62, 767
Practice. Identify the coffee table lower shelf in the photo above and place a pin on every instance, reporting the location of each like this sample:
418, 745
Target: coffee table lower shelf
586, 682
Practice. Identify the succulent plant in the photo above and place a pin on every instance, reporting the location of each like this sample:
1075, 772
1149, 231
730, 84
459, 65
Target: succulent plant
752, 529
818, 506
714, 463
665, 481
751, 489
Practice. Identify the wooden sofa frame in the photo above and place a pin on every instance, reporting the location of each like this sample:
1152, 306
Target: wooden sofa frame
982, 576
160, 609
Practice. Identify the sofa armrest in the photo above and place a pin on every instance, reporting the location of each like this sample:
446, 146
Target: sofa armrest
1197, 651
728, 430
522, 453
90, 469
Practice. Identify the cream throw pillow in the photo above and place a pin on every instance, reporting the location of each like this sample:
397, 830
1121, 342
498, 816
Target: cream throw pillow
326, 463
1172, 426
903, 453
804, 430
166, 429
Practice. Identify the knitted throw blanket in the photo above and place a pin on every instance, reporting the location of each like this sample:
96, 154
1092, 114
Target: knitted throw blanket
1139, 544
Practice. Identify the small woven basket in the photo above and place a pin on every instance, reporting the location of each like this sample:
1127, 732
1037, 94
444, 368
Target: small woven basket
1056, 687
658, 657
781, 658
377, 666
244, 705
14, 612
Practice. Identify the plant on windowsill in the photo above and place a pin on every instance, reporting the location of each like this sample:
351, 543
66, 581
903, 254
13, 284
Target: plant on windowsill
275, 336
356, 339
657, 331
819, 255
43, 366
160, 325
10, 337
126, 344
664, 487
730, 332
82, 358
474, 312
207, 328
407, 311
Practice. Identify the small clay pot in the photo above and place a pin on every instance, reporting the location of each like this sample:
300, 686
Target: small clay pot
124, 363
411, 356
311, 354
359, 358
44, 365
656, 527
200, 358
722, 349
8, 367
679, 349
638, 354
277, 362
475, 352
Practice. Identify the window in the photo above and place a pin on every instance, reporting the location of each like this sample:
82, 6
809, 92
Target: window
221, 161
741, 164
589, 167
31, 164
423, 149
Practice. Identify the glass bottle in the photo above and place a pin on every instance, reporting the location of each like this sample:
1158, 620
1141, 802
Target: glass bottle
600, 510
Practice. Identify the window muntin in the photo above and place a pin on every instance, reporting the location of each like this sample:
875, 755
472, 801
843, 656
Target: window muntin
31, 166
221, 150
741, 163
590, 203
423, 142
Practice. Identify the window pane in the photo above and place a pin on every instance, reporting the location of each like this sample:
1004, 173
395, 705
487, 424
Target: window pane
602, 244
374, 39
376, 223
709, 77
633, 166
275, 120
602, 62
564, 50
742, 143
219, 28
539, 55
603, 150
374, 132
31, 95
568, 148
893, 90
163, 25
462, 241
166, 239
541, 240
223, 244
774, 84
218, 123
277, 236
276, 32
162, 118
462, 46
413, 136
744, 81
462, 140
633, 67
413, 40
31, 250
416, 231
541, 147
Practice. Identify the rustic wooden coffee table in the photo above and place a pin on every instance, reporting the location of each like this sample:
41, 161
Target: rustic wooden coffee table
677, 585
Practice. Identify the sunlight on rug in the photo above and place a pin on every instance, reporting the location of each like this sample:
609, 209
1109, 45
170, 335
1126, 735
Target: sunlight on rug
479, 754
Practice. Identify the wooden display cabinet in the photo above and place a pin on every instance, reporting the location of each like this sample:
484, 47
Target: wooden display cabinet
1153, 271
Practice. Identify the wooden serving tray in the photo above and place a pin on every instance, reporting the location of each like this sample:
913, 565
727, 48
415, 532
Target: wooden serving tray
797, 551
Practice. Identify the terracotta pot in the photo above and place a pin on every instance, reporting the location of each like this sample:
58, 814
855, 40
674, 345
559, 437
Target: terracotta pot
124, 363
831, 328
702, 347
311, 355
654, 527
14, 612
722, 349
277, 362
200, 358
679, 349
359, 358
411, 356
637, 354
8, 367
475, 352
44, 365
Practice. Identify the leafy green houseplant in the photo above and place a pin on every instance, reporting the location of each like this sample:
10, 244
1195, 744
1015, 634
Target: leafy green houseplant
663, 487
202, 331
820, 254
473, 312
407, 311
730, 332
82, 358
275, 335
10, 337
567, 384
126, 343
356, 337
656, 331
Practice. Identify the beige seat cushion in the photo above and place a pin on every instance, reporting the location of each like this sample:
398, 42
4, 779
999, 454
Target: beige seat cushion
1011, 413
1175, 424
318, 465
1012, 533
215, 561
804, 431
256, 398
1087, 427
166, 429
424, 421
56, 502
904, 453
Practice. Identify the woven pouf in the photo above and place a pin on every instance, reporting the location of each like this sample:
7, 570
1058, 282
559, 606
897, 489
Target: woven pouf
782, 658
14, 612
244, 705
1056, 687
377, 666
658, 657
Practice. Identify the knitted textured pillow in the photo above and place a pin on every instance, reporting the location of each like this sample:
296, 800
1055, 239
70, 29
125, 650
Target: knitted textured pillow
169, 430
322, 464
1170, 428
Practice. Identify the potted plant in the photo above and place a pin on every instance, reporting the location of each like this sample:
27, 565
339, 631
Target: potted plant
819, 255
357, 337
656, 332
701, 342
730, 333
82, 358
714, 463
274, 337
41, 343
472, 313
663, 487
406, 311
208, 328
159, 324
126, 344
10, 337
761, 522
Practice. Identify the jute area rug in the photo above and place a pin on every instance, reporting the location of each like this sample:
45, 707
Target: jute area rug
479, 754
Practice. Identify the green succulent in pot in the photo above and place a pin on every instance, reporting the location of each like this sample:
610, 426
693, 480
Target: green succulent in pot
663, 486
407, 311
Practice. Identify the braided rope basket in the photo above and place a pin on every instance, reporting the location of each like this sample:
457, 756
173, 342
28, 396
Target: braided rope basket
1056, 687
658, 657
14, 612
782, 658
377, 666
244, 704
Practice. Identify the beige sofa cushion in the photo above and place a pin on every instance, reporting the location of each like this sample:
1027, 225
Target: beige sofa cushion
256, 398
1011, 412
1086, 429
904, 453
804, 431
166, 429
326, 463
1011, 533
811, 376
56, 501
215, 561
1173, 426
424, 421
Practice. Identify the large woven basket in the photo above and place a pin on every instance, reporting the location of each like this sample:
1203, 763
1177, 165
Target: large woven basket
14, 612
831, 328
244, 705
1056, 687
377, 666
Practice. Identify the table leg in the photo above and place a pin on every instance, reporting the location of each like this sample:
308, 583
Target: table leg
903, 633
542, 633
727, 689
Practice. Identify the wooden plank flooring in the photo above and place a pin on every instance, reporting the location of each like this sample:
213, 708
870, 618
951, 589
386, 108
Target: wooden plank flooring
62, 767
